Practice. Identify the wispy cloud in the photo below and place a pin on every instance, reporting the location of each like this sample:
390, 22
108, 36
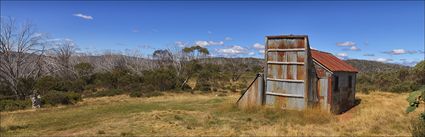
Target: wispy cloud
259, 47
354, 48
262, 51
369, 54
342, 55
181, 44
228, 38
400, 52
209, 43
87, 17
234, 50
346, 44
385, 60
209, 32
408, 63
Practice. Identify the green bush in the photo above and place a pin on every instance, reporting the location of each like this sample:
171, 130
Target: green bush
146, 91
57, 97
136, 94
118, 78
49, 83
145, 94
108, 92
161, 79
10, 105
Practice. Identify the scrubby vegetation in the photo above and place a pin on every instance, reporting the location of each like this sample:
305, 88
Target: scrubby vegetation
400, 80
416, 99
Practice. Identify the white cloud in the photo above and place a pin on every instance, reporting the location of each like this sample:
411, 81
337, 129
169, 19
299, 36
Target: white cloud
354, 48
258, 46
346, 44
208, 43
234, 50
383, 60
37, 34
181, 44
228, 38
400, 51
87, 17
342, 55
262, 51
408, 63
251, 53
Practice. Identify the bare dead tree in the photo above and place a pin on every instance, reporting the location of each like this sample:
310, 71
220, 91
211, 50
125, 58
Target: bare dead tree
63, 51
21, 50
236, 67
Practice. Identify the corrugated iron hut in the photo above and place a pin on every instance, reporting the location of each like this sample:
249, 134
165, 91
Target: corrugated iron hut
296, 77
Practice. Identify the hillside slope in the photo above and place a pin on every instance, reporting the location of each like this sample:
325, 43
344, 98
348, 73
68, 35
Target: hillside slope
365, 66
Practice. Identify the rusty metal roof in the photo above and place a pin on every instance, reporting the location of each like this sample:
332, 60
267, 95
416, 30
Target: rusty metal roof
331, 62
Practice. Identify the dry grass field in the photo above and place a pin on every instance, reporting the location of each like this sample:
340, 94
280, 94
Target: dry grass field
187, 114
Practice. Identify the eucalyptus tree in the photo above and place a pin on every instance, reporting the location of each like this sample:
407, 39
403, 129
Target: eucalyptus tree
21, 52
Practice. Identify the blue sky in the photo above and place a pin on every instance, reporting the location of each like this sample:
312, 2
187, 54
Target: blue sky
384, 31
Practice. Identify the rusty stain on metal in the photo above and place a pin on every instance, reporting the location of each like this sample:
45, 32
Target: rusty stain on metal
296, 77
331, 62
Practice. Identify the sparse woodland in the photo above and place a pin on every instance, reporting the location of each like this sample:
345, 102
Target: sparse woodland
33, 64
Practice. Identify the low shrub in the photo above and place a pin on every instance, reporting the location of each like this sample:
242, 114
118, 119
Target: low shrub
153, 94
136, 94
108, 92
161, 79
56, 97
10, 105
145, 94
418, 128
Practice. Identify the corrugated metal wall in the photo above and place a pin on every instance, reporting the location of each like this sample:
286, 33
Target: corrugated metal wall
343, 98
253, 96
287, 79
292, 80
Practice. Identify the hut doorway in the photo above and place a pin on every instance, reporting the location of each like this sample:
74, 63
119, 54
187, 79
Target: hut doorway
322, 89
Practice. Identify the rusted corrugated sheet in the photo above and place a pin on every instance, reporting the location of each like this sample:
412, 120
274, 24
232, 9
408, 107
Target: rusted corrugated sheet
344, 96
253, 96
331, 62
286, 74
295, 77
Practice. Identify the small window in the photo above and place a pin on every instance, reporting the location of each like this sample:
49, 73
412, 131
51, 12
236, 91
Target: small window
350, 81
336, 83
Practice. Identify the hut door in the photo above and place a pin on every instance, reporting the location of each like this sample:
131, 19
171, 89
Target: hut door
322, 89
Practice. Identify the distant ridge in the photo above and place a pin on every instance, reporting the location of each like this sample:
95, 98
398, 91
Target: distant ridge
365, 66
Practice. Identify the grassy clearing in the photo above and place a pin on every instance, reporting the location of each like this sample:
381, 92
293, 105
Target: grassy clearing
195, 114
